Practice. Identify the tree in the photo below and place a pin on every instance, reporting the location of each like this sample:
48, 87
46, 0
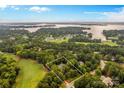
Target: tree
121, 86
8, 71
111, 69
119, 58
108, 57
90, 35
71, 73
50, 81
121, 76
89, 81
45, 57
98, 72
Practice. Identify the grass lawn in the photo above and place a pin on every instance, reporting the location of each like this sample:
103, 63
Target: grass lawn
113, 38
85, 43
110, 43
59, 40
30, 72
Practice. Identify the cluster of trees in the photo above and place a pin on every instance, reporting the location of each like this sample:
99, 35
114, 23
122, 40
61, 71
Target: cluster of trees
8, 72
112, 33
113, 54
117, 36
91, 60
114, 71
59, 74
86, 58
50, 81
84, 38
27, 54
89, 81
65, 70
11, 33
55, 32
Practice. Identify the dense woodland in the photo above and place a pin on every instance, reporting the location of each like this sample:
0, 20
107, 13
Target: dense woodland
115, 35
8, 71
64, 61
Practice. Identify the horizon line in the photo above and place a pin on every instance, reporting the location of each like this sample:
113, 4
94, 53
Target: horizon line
67, 22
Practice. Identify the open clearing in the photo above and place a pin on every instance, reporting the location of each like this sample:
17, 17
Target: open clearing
58, 40
109, 43
30, 72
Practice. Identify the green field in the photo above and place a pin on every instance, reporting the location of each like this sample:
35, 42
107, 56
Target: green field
110, 43
30, 72
85, 43
59, 40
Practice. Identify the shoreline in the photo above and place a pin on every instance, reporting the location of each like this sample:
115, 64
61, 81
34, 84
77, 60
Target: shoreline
96, 30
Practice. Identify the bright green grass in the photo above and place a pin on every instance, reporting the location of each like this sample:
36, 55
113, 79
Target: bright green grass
113, 37
85, 43
110, 43
59, 40
30, 72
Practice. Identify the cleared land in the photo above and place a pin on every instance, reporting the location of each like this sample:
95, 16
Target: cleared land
109, 43
59, 40
30, 72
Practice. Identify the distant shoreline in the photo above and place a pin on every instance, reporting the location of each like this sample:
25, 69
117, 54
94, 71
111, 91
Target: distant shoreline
78, 23
96, 29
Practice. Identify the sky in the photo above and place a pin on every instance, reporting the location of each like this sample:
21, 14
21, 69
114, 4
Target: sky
62, 13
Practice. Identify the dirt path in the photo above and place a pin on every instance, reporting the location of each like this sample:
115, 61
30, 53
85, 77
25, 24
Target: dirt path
102, 64
107, 80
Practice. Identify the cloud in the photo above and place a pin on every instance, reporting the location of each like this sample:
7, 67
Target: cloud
87, 12
3, 6
14, 7
39, 9
110, 16
115, 16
